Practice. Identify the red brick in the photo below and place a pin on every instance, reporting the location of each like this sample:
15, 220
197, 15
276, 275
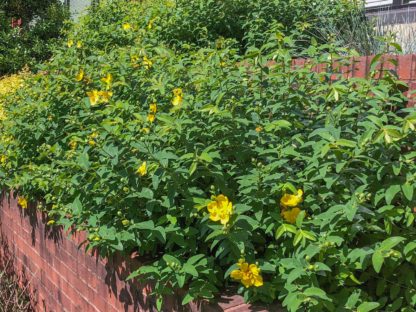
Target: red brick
359, 67
404, 70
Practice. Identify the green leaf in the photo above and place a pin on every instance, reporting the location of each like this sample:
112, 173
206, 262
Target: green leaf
345, 143
367, 306
193, 167
146, 193
83, 161
181, 278
146, 225
190, 269
390, 242
187, 299
316, 292
409, 247
407, 189
285, 228
391, 193
298, 238
205, 157
277, 125
195, 259
378, 260
169, 259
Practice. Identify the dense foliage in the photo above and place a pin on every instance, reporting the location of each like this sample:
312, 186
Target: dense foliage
222, 168
29, 43
202, 22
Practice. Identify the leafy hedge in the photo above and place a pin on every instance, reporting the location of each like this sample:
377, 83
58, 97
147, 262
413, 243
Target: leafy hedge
202, 22
224, 169
42, 23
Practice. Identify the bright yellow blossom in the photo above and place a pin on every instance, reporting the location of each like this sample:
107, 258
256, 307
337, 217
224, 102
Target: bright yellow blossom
96, 96
92, 137
22, 201
151, 118
70, 43
73, 144
248, 274
150, 25
142, 169
291, 214
107, 80
126, 26
290, 200
177, 97
3, 159
80, 75
147, 63
105, 96
134, 59
79, 44
93, 96
220, 209
153, 108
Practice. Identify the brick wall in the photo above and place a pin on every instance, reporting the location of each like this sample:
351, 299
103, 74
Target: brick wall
404, 66
62, 277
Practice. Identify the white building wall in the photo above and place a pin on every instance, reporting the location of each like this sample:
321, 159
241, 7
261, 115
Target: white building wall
77, 7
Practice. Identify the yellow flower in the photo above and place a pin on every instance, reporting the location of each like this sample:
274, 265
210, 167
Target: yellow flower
2, 114
93, 96
126, 26
153, 108
105, 96
151, 118
291, 215
134, 60
248, 274
70, 43
79, 44
220, 209
92, 137
80, 75
147, 63
150, 25
259, 129
73, 144
51, 222
3, 159
142, 169
177, 97
22, 201
289, 200
107, 80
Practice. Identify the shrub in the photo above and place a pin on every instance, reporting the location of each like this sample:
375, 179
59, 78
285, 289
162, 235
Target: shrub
42, 25
223, 168
202, 22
